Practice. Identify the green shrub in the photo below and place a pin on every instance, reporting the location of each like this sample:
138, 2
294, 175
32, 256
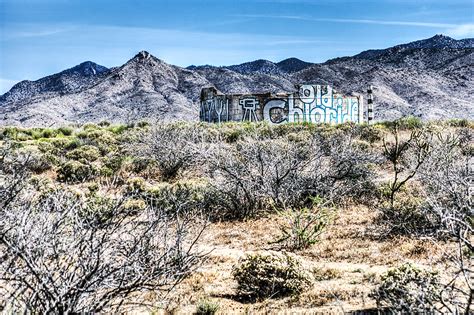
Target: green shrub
90, 126
117, 129
72, 144
48, 133
407, 216
143, 124
136, 185
84, 154
206, 307
134, 204
66, 131
186, 196
408, 289
74, 171
269, 275
302, 227
114, 162
458, 123
104, 123
371, 133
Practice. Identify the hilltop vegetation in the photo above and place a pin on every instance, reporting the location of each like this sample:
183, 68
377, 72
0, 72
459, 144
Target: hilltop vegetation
237, 217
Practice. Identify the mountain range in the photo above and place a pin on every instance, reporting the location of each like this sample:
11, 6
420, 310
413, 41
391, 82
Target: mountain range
431, 79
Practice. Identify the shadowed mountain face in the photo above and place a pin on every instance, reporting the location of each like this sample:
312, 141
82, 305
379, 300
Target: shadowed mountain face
431, 78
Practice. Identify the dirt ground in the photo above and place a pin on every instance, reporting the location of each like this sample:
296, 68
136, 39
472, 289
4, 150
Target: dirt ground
347, 263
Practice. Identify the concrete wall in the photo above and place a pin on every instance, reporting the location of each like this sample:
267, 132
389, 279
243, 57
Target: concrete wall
312, 103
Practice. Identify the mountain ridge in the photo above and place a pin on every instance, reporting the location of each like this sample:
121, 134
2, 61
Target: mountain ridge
416, 78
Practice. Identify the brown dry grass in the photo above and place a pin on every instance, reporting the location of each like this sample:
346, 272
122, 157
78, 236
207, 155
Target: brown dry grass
346, 263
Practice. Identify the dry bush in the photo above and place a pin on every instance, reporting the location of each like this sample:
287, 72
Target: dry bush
408, 289
14, 172
61, 253
269, 276
302, 227
64, 255
448, 181
254, 174
174, 147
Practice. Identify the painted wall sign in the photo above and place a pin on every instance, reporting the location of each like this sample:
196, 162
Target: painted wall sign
311, 103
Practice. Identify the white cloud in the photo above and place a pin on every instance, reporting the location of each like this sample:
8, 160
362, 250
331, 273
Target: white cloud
463, 30
453, 27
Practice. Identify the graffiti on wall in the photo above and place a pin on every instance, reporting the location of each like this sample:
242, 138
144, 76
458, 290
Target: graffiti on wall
311, 103
215, 109
315, 104
250, 106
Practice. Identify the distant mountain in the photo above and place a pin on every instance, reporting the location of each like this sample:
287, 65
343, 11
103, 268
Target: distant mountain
68, 81
431, 79
437, 42
262, 66
257, 66
292, 65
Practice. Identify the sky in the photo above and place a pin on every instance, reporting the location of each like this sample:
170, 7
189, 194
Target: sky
42, 37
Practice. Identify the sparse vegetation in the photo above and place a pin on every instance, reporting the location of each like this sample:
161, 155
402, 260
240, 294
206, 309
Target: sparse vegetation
343, 198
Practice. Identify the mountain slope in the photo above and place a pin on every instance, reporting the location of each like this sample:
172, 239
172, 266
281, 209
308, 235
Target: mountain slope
144, 87
68, 81
437, 41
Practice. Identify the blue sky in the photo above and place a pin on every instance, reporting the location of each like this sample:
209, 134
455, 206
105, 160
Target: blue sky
39, 38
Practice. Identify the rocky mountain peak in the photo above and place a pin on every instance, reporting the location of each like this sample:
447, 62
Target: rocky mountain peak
143, 55
291, 65
87, 68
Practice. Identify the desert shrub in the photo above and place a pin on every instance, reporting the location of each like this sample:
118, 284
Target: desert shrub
38, 163
371, 133
206, 307
95, 255
48, 133
14, 174
406, 157
90, 126
174, 147
136, 185
72, 144
257, 175
117, 129
406, 216
459, 123
302, 227
143, 124
187, 196
142, 164
447, 182
135, 204
114, 162
104, 123
269, 276
7, 133
66, 131
408, 289
409, 122
84, 154
74, 171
